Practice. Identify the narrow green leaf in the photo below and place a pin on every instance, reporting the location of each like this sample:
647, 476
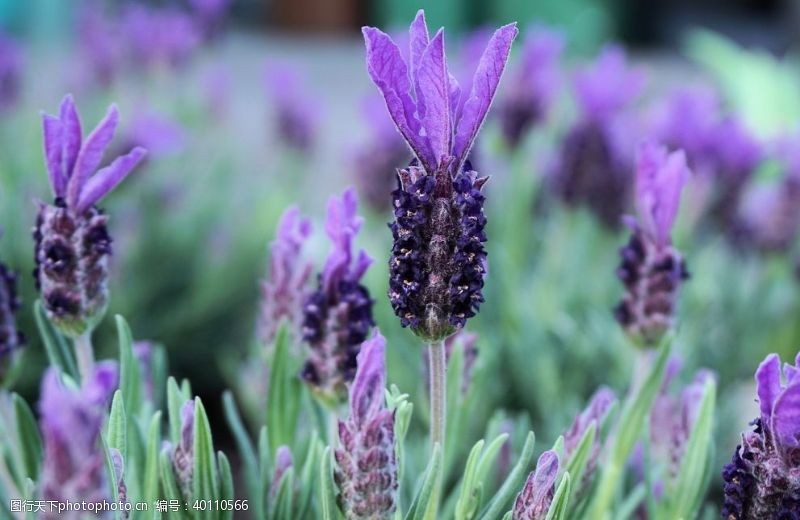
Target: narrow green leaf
129, 370
560, 504
175, 400
308, 475
169, 486
113, 477
576, 465
226, 485
512, 484
205, 482
467, 501
58, 352
283, 396
117, 425
246, 454
327, 488
283, 504
488, 458
422, 505
151, 460
264, 461
30, 442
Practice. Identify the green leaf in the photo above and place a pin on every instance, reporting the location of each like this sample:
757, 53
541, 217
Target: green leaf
576, 464
489, 457
283, 504
467, 499
560, 504
129, 370
151, 460
112, 481
205, 482
264, 460
308, 475
512, 484
117, 425
169, 485
423, 506
30, 442
327, 489
283, 397
58, 351
226, 485
247, 455
175, 400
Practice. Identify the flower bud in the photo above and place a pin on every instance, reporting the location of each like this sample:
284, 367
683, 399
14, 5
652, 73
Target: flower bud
534, 500
183, 454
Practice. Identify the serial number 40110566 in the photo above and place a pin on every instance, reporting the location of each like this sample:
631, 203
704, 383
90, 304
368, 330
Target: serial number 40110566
220, 505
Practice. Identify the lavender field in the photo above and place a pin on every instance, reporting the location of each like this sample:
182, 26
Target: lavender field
524, 267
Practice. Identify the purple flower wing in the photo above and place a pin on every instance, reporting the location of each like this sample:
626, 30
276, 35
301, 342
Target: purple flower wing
53, 134
484, 85
366, 395
91, 154
433, 99
672, 178
105, 180
418, 40
71, 143
768, 385
786, 417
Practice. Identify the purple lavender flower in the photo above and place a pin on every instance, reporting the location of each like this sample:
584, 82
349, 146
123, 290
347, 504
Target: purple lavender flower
11, 340
283, 291
437, 264
158, 37
651, 269
283, 461
297, 112
593, 166
71, 420
763, 478
156, 133
101, 50
11, 63
72, 242
183, 454
366, 469
337, 316
534, 500
535, 85
143, 352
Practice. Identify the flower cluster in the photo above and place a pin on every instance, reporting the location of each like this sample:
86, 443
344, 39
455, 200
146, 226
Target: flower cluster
651, 269
533, 502
366, 469
337, 316
72, 242
763, 478
437, 266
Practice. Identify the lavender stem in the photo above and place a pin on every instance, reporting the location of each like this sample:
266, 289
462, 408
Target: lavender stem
438, 365
84, 355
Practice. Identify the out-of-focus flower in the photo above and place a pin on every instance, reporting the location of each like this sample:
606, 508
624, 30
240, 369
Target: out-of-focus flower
337, 316
283, 461
100, 46
158, 37
11, 340
159, 135
534, 85
763, 478
183, 453
534, 500
74, 467
437, 266
72, 242
651, 269
143, 351
366, 469
593, 166
210, 14
284, 289
11, 65
296, 111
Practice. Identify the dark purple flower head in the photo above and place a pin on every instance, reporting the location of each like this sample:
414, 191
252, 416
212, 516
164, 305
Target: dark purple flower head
11, 340
535, 84
71, 420
763, 478
284, 289
183, 453
337, 316
366, 469
11, 65
438, 260
534, 500
72, 241
650, 268
296, 111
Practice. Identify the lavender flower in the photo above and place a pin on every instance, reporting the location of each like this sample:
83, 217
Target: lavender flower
437, 264
158, 37
156, 133
366, 469
101, 50
651, 269
338, 315
11, 63
296, 111
534, 87
71, 420
283, 291
763, 478
534, 500
143, 352
283, 461
183, 454
593, 166
11, 340
72, 242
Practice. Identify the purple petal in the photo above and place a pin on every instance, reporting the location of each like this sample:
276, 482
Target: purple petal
366, 395
91, 154
71, 142
659, 181
455, 98
102, 384
433, 99
607, 85
484, 85
389, 72
53, 136
768, 385
418, 40
546, 471
786, 417
187, 423
105, 180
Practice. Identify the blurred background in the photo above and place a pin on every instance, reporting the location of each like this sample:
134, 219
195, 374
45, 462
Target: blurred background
249, 106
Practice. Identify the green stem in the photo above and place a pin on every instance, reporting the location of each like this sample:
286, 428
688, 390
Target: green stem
84, 354
438, 398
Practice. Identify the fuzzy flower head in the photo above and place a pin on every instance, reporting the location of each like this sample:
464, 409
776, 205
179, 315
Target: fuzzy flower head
11, 340
533, 502
607, 85
11, 64
437, 266
650, 268
763, 478
74, 467
366, 469
296, 110
337, 316
282, 292
72, 241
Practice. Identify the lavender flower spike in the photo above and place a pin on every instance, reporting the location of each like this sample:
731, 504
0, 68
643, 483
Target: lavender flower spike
337, 316
283, 291
11, 340
183, 454
437, 264
594, 413
651, 269
366, 469
72, 242
534, 500
74, 467
763, 478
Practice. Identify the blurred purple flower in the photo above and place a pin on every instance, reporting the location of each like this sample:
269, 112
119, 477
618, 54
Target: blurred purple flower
143, 352
337, 316
216, 85
763, 478
74, 466
210, 14
534, 86
11, 339
438, 259
533, 502
72, 242
366, 469
594, 163
159, 135
297, 111
595, 413
11, 69
284, 289
158, 36
650, 268
283, 461
100, 46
